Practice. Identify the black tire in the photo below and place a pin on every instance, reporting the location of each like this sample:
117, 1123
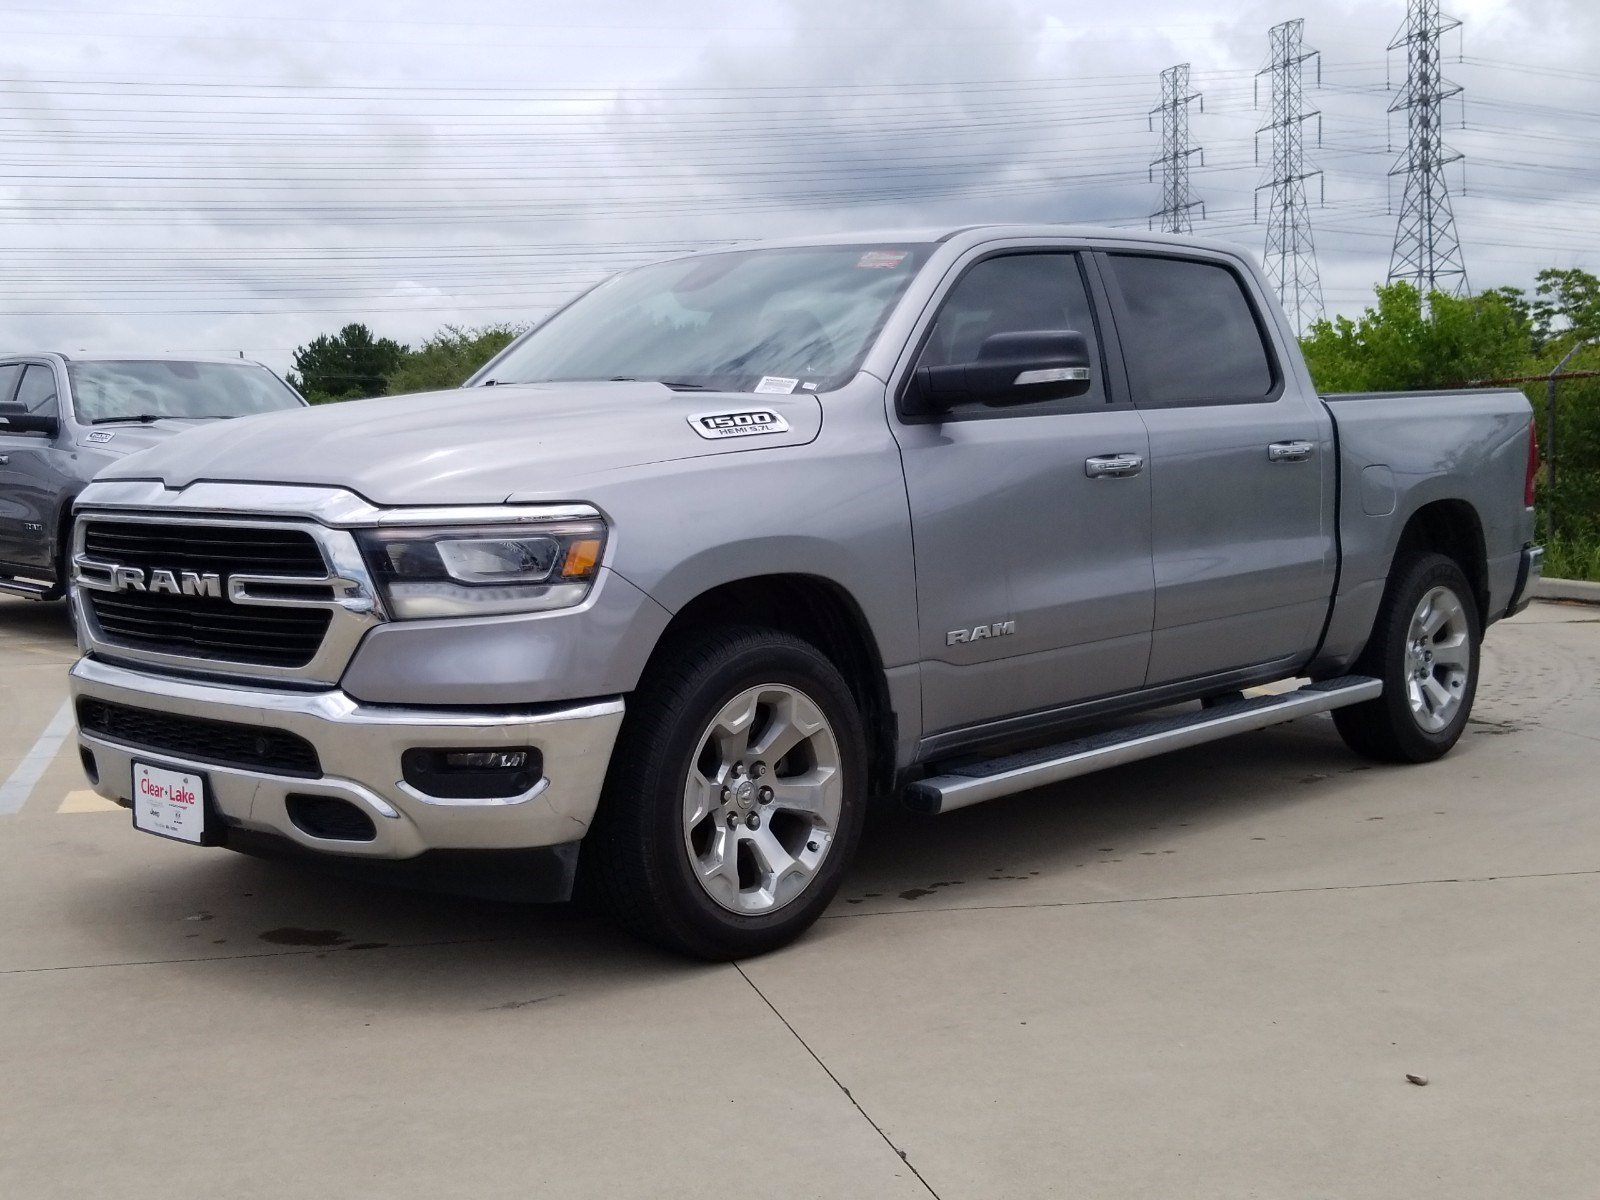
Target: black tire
1389, 729
636, 857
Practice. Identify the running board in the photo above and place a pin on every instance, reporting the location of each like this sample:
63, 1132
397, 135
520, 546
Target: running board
974, 782
20, 587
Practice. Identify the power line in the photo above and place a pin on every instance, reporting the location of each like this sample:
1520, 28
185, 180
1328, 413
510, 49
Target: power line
1291, 254
1427, 251
1176, 151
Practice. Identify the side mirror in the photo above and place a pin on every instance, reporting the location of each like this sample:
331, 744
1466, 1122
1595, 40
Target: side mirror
1025, 367
15, 418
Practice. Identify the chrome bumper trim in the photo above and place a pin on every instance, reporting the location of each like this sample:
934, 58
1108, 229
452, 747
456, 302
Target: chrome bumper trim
423, 797
360, 747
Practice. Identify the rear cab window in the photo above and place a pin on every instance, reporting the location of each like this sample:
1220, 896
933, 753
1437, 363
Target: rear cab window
1190, 333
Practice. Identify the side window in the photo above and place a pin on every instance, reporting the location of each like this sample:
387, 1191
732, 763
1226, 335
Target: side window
9, 374
1016, 293
1189, 333
38, 390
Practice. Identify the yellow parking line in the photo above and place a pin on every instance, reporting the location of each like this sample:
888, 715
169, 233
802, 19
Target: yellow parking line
86, 801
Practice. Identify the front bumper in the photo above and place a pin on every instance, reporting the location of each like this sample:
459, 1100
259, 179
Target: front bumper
359, 747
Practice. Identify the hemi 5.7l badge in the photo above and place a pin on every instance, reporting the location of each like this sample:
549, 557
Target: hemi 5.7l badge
749, 423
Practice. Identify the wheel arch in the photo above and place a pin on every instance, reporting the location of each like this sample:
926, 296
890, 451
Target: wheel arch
1453, 528
62, 549
816, 610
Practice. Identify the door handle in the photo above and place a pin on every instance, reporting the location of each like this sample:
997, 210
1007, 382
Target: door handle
1289, 451
1113, 466
4, 459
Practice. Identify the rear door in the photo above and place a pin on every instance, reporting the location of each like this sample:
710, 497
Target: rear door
1034, 586
1241, 466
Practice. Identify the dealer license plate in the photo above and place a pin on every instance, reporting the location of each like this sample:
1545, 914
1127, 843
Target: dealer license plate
169, 803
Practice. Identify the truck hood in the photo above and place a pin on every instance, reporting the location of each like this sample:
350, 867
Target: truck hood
468, 446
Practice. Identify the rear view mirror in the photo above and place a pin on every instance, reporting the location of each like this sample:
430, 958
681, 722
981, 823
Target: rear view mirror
1025, 367
15, 418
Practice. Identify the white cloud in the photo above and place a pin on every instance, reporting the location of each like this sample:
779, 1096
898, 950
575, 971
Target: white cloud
346, 173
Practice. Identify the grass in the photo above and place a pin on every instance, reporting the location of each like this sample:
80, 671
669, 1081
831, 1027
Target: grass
1572, 559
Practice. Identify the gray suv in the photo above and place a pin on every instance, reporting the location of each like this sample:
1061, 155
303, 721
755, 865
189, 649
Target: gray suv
63, 418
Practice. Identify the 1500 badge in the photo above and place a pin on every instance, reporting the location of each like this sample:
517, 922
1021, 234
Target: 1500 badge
749, 423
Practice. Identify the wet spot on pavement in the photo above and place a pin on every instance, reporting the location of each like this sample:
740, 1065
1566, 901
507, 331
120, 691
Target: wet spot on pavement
292, 936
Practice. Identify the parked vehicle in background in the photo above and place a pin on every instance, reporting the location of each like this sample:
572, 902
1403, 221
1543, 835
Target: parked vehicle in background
735, 541
65, 417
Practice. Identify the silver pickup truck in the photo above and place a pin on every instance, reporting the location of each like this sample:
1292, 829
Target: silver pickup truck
734, 542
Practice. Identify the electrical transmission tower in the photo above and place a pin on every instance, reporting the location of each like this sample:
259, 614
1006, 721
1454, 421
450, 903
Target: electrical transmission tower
1426, 249
1291, 255
1176, 151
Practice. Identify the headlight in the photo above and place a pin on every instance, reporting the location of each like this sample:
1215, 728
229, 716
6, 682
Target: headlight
484, 570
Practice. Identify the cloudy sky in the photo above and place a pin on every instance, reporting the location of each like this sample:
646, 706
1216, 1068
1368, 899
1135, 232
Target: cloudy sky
188, 176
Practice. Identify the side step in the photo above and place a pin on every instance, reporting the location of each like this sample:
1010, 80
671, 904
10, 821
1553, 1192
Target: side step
23, 587
974, 782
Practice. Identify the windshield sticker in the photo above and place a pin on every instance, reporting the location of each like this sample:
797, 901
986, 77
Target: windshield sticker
881, 260
100, 435
776, 385
716, 426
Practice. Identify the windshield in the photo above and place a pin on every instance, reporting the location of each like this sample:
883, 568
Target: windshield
748, 320
142, 389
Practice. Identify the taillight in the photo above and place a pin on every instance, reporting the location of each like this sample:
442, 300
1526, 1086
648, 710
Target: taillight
1533, 464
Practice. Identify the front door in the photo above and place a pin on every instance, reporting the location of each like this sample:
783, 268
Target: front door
1034, 585
1242, 470
27, 495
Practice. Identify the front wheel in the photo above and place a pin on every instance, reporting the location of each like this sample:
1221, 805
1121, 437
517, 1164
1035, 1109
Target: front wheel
1425, 646
735, 797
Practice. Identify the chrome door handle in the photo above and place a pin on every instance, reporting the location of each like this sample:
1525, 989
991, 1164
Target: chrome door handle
4, 459
1113, 466
1289, 451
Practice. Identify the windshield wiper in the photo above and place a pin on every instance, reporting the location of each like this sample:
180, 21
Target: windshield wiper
677, 385
139, 418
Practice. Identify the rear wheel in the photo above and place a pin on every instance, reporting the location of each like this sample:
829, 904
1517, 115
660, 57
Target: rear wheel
1425, 648
735, 797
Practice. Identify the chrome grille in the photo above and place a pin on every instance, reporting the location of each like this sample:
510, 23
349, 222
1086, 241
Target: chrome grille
200, 627
231, 549
223, 628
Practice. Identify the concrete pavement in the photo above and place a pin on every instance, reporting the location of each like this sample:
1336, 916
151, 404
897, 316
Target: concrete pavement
1204, 976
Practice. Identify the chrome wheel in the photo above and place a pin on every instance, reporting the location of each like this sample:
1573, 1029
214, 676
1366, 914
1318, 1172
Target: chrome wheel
1438, 659
762, 803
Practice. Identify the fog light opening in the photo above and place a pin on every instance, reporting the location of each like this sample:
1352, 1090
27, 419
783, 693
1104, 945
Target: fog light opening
329, 818
472, 773
90, 767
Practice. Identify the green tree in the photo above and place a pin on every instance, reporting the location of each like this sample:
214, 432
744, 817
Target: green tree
447, 358
1575, 496
1568, 302
1404, 344
347, 366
